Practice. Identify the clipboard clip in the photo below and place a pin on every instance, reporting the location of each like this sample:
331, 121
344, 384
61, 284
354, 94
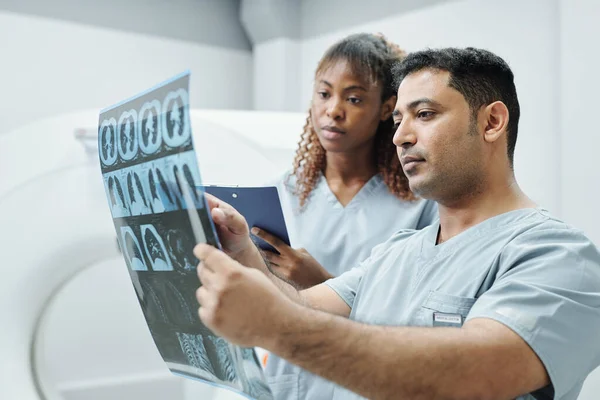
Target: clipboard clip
234, 195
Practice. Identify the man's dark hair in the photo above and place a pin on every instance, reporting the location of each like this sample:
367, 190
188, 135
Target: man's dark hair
479, 75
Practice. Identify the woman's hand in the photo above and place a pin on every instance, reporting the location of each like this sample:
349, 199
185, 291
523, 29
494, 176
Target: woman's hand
295, 265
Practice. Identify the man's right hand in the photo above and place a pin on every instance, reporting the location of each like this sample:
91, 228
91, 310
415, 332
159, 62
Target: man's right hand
231, 227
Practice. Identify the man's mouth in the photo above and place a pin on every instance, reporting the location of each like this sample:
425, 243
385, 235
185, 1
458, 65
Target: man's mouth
409, 162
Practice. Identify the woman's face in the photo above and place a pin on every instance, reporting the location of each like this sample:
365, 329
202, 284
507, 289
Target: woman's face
346, 109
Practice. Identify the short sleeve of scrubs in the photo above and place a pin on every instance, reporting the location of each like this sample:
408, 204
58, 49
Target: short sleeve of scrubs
346, 285
548, 294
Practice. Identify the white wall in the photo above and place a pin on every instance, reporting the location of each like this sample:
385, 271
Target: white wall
321, 17
277, 75
580, 133
208, 22
579, 89
532, 24
51, 67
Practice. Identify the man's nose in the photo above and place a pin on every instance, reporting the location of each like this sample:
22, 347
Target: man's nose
404, 135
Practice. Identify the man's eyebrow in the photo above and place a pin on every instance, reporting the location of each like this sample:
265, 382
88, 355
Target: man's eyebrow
414, 104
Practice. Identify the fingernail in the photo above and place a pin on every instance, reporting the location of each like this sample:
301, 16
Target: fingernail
254, 231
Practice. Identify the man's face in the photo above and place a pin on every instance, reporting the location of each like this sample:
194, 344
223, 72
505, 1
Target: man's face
438, 142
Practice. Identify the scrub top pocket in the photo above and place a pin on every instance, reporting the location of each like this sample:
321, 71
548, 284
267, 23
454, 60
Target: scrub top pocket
440, 309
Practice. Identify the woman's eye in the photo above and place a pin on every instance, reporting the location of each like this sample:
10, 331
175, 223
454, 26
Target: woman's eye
396, 126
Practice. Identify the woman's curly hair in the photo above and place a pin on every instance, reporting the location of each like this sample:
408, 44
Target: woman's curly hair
368, 56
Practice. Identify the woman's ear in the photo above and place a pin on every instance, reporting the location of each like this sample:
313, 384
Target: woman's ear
387, 108
495, 122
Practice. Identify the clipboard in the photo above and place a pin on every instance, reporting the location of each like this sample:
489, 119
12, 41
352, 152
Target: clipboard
260, 206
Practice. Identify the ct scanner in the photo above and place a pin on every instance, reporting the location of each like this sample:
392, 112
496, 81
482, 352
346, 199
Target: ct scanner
71, 325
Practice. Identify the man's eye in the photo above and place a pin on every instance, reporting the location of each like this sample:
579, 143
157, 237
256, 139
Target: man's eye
354, 100
323, 95
425, 114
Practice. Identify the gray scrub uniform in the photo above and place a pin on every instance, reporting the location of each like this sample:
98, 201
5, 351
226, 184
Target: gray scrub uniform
524, 269
339, 238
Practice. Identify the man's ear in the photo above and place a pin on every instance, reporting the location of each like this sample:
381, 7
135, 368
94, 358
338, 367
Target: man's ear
495, 121
387, 108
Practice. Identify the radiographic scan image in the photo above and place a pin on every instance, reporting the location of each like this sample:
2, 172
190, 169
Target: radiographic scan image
163, 186
167, 171
132, 250
181, 308
176, 127
219, 349
128, 144
111, 192
195, 351
118, 202
174, 302
191, 182
156, 200
186, 165
149, 167
167, 186
138, 203
155, 249
150, 137
180, 247
154, 310
178, 183
175, 120
188, 180
107, 141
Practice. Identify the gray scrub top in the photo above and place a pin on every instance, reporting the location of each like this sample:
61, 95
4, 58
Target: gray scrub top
524, 269
339, 238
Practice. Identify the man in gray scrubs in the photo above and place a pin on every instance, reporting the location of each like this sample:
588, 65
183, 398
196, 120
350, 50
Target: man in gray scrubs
498, 300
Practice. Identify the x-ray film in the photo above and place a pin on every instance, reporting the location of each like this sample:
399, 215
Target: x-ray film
152, 180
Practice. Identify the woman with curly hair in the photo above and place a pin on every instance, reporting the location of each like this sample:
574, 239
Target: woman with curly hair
346, 192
